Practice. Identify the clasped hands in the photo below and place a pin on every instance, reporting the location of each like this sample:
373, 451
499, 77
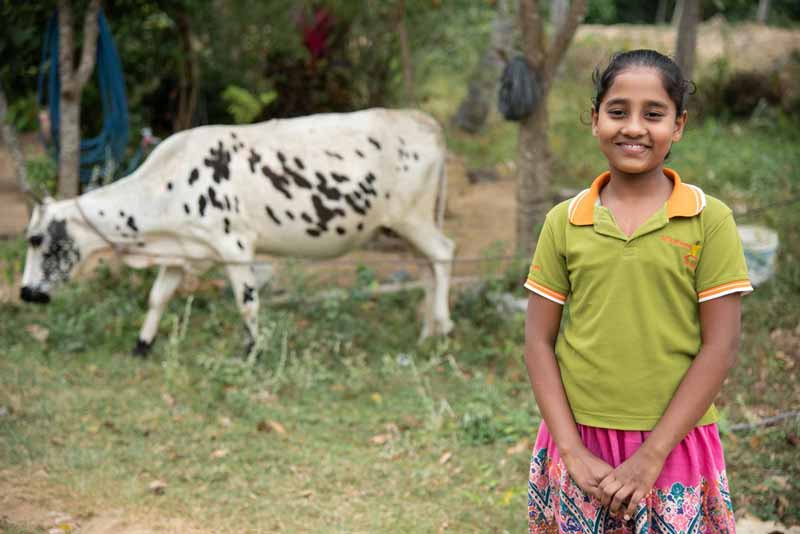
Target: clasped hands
620, 488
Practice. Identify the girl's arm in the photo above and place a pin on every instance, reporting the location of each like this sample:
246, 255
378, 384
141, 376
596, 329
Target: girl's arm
541, 329
720, 322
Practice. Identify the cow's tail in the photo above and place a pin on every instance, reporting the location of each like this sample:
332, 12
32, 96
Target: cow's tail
441, 194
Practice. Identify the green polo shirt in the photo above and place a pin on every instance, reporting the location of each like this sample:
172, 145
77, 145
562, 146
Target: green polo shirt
632, 325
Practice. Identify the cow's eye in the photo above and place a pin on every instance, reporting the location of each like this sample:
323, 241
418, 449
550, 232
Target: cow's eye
36, 240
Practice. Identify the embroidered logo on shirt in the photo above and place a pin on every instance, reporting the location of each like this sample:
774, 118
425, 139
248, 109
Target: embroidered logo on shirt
690, 259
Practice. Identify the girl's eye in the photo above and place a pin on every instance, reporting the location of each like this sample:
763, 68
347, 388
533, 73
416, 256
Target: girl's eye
616, 112
654, 115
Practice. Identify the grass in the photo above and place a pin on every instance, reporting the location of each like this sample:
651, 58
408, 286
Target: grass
344, 424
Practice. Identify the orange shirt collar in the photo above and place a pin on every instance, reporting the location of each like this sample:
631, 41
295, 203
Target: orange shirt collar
685, 201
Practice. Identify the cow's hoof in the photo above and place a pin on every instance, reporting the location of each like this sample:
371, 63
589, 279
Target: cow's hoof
142, 348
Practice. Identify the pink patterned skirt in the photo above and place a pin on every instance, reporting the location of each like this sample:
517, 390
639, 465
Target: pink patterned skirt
690, 496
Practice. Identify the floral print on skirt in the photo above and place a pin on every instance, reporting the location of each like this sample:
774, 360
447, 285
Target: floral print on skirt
690, 496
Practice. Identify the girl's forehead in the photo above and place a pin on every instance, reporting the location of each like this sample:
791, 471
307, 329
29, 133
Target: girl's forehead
638, 83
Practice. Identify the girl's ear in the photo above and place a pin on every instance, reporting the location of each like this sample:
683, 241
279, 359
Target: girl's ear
680, 124
594, 121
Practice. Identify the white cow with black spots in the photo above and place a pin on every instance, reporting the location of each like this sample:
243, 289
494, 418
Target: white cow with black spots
311, 187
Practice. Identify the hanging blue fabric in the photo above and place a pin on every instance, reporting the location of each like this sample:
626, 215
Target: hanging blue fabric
113, 138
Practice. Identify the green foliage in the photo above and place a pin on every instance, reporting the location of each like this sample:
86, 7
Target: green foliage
245, 106
42, 173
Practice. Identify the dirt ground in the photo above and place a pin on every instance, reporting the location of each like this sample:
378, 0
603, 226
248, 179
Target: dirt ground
477, 217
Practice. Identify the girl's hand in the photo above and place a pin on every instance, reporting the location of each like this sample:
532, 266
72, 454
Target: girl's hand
630, 482
587, 470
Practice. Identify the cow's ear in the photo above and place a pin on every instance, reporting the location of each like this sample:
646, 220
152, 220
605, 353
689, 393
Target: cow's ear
48, 200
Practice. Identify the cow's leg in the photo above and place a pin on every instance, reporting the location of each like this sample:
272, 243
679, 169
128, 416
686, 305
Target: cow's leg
245, 290
434, 245
167, 281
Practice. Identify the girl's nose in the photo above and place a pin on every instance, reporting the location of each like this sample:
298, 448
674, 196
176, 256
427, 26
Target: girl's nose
633, 127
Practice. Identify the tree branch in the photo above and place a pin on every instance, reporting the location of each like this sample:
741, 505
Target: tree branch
89, 53
65, 48
563, 37
532, 33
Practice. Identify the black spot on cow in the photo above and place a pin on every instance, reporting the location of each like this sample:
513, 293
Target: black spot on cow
226, 225
388, 195
299, 163
132, 224
354, 205
324, 214
367, 189
240, 145
306, 217
236, 204
121, 213
339, 178
169, 186
239, 244
340, 230
253, 160
235, 148
405, 167
359, 153
218, 160
334, 155
186, 208
272, 215
281, 157
290, 214
194, 176
370, 178
61, 254
367, 203
279, 181
227, 203
247, 293
117, 228
298, 178
201, 205
233, 134
102, 213
360, 226
125, 235
416, 156
374, 142
357, 195
212, 197
331, 193
313, 232
402, 141
140, 244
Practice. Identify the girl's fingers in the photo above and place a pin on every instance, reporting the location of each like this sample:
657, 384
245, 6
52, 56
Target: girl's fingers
609, 491
636, 498
620, 497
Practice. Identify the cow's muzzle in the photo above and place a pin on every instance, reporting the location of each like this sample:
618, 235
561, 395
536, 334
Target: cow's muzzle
29, 294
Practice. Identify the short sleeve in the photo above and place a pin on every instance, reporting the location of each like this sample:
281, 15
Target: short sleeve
548, 275
721, 269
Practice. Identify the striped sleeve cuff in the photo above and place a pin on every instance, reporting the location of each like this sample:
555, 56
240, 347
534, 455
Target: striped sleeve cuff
546, 292
738, 286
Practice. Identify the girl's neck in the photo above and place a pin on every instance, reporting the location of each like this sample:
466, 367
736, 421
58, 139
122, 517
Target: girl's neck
653, 183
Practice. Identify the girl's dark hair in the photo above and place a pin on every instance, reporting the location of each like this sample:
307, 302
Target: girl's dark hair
678, 88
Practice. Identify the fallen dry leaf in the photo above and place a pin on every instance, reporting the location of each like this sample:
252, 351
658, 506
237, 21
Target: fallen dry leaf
169, 400
380, 439
306, 494
520, 447
157, 487
225, 422
219, 453
271, 426
39, 333
445, 458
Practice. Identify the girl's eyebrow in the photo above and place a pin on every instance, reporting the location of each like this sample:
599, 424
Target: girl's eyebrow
647, 103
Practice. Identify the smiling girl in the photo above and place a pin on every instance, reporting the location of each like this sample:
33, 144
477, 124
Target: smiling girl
651, 271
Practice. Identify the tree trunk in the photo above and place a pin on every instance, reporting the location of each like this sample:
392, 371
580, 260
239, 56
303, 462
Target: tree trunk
677, 13
405, 54
72, 82
763, 11
661, 12
687, 37
558, 13
474, 109
189, 73
533, 149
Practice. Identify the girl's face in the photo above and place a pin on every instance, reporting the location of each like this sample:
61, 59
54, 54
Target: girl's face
637, 123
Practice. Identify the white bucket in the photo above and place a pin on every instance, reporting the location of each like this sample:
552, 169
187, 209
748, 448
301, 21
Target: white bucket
760, 247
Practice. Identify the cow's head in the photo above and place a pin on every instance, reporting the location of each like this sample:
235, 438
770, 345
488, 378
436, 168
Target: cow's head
54, 251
